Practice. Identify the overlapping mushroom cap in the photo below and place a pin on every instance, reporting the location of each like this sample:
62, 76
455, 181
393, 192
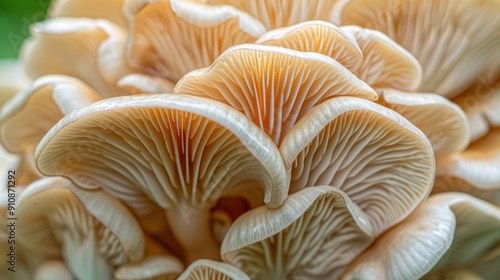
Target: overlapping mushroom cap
178, 152
92, 232
446, 234
169, 38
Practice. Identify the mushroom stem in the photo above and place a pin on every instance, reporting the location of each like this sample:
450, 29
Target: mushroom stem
191, 227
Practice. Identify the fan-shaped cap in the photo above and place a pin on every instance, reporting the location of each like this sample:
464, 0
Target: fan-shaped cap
320, 37
92, 46
108, 9
30, 114
475, 170
442, 121
314, 234
273, 86
182, 153
91, 230
13, 79
385, 63
208, 269
454, 41
282, 13
169, 38
139, 83
163, 267
379, 159
481, 102
444, 231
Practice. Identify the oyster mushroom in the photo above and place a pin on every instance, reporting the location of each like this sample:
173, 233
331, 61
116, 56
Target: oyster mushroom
445, 36
13, 79
26, 118
208, 269
52, 270
179, 153
273, 86
282, 13
313, 235
91, 231
448, 231
379, 159
94, 47
169, 38
108, 9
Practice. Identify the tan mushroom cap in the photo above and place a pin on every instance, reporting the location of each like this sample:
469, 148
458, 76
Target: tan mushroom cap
475, 170
313, 235
181, 153
282, 13
320, 37
443, 122
139, 83
385, 63
454, 42
30, 114
481, 103
273, 86
169, 38
379, 159
92, 46
452, 229
105, 9
92, 231
208, 269
13, 79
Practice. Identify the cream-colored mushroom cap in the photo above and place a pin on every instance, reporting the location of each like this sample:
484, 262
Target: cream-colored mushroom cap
169, 38
208, 269
87, 49
282, 13
452, 230
313, 235
180, 153
52, 270
442, 121
92, 231
475, 170
273, 86
163, 267
379, 159
320, 37
105, 9
454, 41
13, 79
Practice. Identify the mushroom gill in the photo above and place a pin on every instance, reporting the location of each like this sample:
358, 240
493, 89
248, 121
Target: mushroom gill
179, 153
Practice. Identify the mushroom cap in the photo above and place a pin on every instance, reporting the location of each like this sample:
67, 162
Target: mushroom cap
169, 38
161, 266
30, 114
52, 207
454, 42
167, 149
52, 270
314, 234
385, 63
139, 83
93, 47
208, 269
379, 159
280, 13
443, 122
319, 37
13, 79
481, 102
108, 9
452, 229
273, 86
475, 170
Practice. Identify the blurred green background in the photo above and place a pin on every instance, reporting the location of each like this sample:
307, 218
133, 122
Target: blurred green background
15, 18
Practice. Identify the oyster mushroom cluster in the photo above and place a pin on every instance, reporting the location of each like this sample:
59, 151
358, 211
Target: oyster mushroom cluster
225, 139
